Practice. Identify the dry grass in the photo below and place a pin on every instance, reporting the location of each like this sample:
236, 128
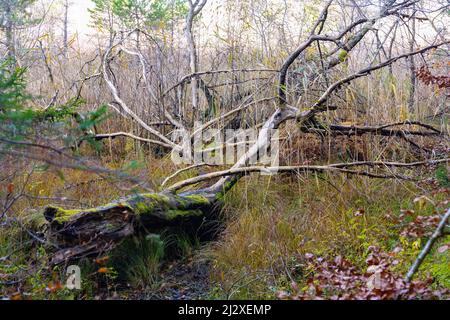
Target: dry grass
275, 221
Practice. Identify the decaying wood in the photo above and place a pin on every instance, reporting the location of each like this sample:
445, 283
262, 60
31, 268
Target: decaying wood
86, 232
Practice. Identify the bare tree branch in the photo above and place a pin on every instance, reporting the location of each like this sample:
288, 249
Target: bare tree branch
438, 233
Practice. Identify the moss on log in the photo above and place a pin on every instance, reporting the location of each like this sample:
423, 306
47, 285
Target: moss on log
86, 232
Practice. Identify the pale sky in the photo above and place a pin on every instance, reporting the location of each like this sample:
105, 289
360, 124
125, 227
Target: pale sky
79, 16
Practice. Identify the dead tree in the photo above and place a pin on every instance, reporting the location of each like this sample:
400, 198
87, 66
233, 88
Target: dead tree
84, 232
194, 9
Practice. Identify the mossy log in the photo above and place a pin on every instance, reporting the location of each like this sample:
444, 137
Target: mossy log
87, 232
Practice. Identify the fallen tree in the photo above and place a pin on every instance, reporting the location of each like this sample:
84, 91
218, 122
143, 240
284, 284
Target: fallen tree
86, 232
81, 233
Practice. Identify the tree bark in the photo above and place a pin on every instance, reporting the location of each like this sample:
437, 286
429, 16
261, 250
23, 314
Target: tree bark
192, 59
194, 9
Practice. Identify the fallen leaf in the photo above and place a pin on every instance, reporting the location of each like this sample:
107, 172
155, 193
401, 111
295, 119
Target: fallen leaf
103, 270
443, 248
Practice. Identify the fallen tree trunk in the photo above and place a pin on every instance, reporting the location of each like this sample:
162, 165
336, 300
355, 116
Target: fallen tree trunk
88, 232
85, 232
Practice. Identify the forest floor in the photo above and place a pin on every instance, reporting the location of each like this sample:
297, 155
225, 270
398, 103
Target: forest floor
185, 279
282, 234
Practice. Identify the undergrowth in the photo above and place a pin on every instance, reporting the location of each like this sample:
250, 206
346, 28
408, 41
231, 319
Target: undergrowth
274, 226
271, 224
